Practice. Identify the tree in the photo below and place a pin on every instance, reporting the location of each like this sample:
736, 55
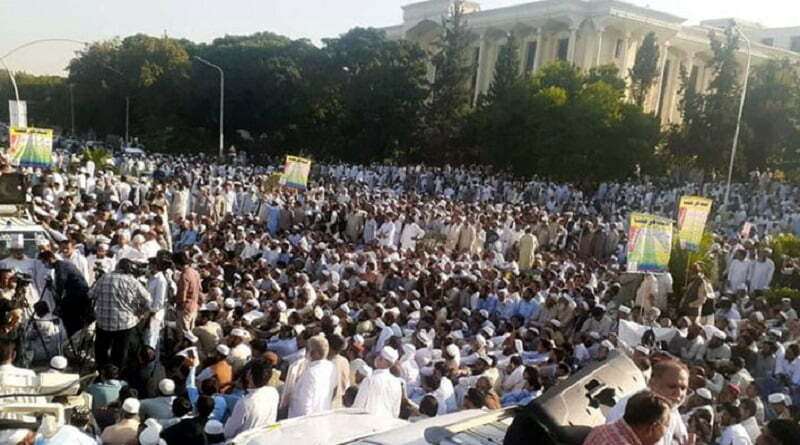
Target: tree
772, 117
566, 125
709, 119
645, 69
506, 70
449, 101
380, 89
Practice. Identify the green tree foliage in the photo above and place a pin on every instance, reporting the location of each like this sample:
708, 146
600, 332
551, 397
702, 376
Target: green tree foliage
47, 98
381, 90
450, 100
506, 70
772, 117
566, 125
645, 69
709, 119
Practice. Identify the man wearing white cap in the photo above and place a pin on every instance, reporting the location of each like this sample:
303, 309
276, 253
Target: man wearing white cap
381, 393
100, 260
125, 431
17, 260
159, 407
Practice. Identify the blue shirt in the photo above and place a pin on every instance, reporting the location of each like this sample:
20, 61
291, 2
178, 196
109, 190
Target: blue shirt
489, 303
528, 309
506, 309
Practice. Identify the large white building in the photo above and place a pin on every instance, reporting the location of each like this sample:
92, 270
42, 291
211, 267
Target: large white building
589, 33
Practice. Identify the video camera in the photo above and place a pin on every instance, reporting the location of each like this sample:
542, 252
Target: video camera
23, 279
132, 267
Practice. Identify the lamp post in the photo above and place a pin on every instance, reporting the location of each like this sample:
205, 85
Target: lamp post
739, 118
221, 103
25, 45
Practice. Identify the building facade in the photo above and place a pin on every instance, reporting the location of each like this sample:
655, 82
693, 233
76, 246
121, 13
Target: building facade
590, 33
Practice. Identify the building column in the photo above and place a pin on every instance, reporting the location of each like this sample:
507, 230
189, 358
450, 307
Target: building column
573, 40
539, 49
600, 31
662, 62
689, 65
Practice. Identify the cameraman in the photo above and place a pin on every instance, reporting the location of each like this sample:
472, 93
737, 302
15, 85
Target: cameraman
69, 290
120, 300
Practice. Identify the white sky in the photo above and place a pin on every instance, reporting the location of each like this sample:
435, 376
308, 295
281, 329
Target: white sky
202, 20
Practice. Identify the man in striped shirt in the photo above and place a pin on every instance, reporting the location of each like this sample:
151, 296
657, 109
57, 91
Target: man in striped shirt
646, 420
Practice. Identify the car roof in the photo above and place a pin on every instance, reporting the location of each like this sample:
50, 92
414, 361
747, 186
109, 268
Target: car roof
322, 429
414, 433
16, 224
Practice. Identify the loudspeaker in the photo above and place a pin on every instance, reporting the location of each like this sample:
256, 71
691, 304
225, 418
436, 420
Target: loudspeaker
565, 413
12, 189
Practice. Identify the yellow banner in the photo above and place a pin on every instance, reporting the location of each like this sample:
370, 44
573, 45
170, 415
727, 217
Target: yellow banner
295, 172
692, 216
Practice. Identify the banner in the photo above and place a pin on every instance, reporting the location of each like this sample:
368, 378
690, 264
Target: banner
295, 172
746, 229
649, 243
692, 216
31, 147
631, 333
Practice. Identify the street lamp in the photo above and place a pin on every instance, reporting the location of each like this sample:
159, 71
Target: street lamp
739, 118
221, 103
25, 45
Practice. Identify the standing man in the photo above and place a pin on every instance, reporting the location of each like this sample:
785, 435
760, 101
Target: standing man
761, 272
68, 291
315, 387
527, 249
381, 393
119, 302
187, 299
157, 287
69, 253
259, 408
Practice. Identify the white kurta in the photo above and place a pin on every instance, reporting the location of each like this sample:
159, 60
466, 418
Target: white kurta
380, 394
314, 390
411, 233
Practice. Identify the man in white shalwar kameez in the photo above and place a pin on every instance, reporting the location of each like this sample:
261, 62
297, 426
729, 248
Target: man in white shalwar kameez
314, 390
381, 393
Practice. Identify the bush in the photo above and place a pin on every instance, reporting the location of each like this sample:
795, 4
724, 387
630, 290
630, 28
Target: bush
775, 295
679, 259
785, 244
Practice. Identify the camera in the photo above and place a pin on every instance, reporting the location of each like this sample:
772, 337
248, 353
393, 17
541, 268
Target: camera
23, 279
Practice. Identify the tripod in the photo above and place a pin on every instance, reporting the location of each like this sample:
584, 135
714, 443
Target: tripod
21, 299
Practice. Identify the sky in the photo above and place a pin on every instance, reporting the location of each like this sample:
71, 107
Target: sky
22, 21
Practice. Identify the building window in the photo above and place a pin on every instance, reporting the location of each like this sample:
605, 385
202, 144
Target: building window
618, 48
563, 49
795, 44
476, 58
530, 56
769, 41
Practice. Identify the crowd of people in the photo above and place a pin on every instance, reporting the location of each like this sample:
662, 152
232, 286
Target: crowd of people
222, 302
